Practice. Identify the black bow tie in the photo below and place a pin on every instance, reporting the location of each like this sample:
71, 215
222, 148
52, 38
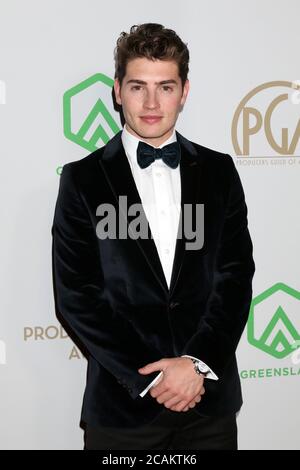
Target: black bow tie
170, 154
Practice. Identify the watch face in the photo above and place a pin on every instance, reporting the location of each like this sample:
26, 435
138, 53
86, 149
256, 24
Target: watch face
202, 369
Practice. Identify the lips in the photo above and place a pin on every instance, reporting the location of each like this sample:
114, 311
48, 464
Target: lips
151, 119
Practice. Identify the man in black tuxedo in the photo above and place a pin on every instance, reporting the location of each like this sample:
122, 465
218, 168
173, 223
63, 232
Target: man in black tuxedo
162, 313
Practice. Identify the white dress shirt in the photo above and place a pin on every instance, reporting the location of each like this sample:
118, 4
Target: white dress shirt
159, 187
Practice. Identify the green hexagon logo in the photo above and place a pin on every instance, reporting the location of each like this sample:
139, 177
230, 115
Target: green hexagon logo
89, 118
274, 321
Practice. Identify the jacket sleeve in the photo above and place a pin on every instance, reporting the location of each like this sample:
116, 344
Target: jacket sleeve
79, 293
223, 321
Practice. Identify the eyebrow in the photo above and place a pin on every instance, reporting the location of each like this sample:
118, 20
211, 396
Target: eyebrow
163, 82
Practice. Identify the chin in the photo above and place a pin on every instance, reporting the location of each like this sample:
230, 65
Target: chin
155, 133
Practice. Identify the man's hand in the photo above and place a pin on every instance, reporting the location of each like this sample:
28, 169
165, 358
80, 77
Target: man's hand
179, 388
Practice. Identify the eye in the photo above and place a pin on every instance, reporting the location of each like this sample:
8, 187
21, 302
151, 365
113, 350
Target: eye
136, 87
167, 88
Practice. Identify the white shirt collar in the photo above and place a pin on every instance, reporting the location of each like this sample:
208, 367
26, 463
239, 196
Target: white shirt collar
130, 143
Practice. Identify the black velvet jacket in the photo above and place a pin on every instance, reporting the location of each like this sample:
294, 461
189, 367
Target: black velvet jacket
113, 294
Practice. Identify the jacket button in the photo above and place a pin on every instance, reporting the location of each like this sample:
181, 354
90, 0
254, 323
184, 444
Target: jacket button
173, 305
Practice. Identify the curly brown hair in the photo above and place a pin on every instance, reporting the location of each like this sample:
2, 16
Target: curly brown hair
153, 41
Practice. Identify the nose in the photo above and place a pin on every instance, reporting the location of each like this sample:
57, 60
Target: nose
151, 100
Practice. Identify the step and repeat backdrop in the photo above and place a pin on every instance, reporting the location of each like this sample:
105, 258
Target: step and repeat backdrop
56, 77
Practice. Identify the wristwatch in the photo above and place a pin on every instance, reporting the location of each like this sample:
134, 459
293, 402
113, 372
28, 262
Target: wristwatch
200, 368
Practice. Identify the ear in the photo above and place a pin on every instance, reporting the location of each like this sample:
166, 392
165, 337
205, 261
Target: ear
185, 92
117, 89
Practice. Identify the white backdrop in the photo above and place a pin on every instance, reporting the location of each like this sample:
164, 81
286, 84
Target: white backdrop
49, 47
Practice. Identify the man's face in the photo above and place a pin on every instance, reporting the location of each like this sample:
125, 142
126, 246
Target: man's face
151, 97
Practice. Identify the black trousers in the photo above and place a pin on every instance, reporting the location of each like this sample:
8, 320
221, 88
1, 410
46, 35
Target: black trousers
171, 430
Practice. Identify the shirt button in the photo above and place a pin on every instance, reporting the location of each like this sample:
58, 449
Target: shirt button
163, 212
158, 174
167, 251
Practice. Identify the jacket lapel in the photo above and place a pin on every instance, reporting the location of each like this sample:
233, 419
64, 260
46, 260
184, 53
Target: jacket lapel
118, 173
189, 175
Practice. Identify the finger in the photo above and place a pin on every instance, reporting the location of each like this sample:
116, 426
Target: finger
180, 406
157, 390
194, 402
164, 397
152, 367
202, 391
173, 401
